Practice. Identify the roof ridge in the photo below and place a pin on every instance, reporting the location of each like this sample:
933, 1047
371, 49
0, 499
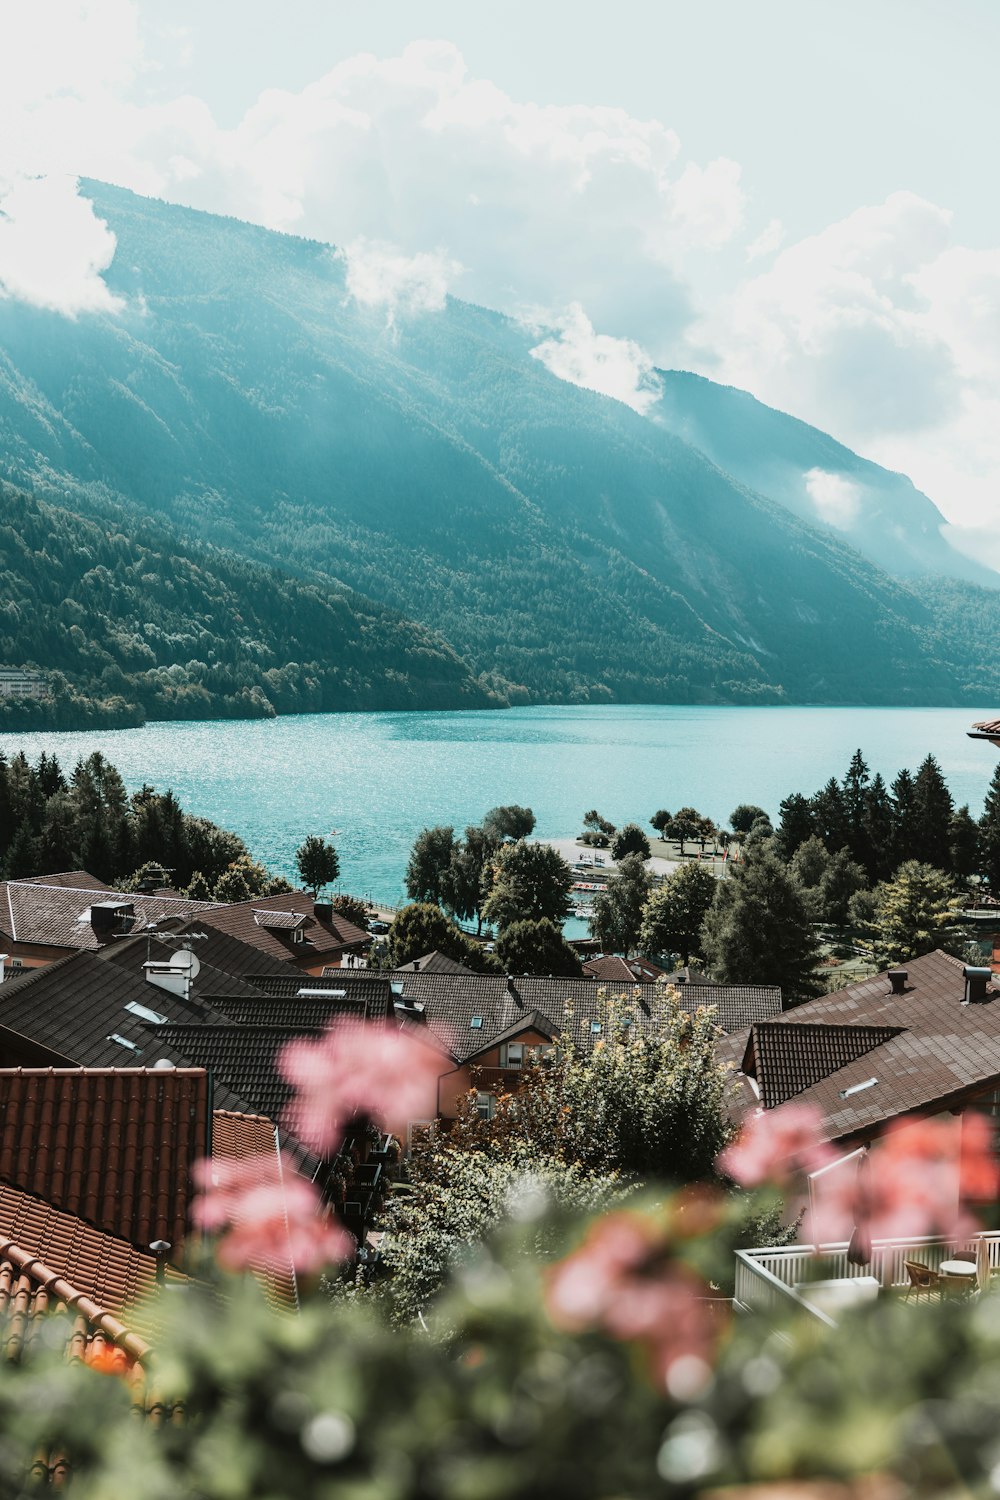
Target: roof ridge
61, 1288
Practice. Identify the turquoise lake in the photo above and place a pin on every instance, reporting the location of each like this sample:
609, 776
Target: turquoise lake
379, 778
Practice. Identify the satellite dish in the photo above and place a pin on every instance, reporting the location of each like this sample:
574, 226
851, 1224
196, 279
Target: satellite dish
186, 962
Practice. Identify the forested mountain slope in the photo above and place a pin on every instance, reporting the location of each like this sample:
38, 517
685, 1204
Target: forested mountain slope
564, 546
881, 513
131, 624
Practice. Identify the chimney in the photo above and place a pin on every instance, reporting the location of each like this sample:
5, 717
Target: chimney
976, 983
416, 966
161, 1249
323, 911
3, 966
107, 918
897, 981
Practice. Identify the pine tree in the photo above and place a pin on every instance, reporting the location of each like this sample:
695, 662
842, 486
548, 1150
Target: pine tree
963, 844
989, 834
21, 858
932, 810
797, 823
878, 822
830, 814
758, 930
856, 782
915, 912
905, 841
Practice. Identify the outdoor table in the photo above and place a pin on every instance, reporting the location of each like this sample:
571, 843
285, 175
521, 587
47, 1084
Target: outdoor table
961, 1274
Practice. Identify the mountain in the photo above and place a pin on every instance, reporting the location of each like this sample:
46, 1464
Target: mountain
881, 513
565, 547
131, 623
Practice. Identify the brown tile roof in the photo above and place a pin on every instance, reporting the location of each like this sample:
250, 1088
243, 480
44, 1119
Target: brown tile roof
940, 1048
613, 969
243, 1138
80, 879
451, 1002
114, 1146
434, 963
319, 939
61, 916
788, 1059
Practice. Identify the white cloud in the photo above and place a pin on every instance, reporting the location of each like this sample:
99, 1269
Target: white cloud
882, 331
769, 240
837, 500
53, 247
378, 275
614, 367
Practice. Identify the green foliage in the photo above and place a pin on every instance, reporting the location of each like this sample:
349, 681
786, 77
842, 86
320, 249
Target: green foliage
423, 928
660, 819
352, 910
511, 822
49, 823
537, 948
989, 833
688, 823
914, 913
317, 862
759, 930
743, 817
675, 912
530, 881
596, 824
129, 621
428, 867
618, 908
629, 839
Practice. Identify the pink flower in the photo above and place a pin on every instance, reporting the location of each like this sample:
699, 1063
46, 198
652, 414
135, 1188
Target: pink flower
623, 1282
271, 1215
385, 1074
774, 1144
920, 1173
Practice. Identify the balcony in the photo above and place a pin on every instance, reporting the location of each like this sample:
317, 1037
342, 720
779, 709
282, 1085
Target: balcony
774, 1281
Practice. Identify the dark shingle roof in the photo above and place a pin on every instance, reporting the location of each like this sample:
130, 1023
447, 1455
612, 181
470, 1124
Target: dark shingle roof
790, 1058
452, 1001
77, 1007
434, 963
940, 1048
612, 969
243, 1057
115, 1147
371, 1001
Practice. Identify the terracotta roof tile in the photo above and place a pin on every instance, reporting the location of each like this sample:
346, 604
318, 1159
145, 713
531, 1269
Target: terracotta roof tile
789, 1058
115, 1147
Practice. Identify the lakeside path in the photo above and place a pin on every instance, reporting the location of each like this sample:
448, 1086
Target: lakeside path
664, 858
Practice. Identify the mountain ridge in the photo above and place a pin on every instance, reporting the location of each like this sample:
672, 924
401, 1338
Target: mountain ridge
563, 546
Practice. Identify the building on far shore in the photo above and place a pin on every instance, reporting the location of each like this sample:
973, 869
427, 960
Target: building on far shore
16, 682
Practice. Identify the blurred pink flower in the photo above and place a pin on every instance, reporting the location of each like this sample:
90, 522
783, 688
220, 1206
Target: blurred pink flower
623, 1282
921, 1172
271, 1215
386, 1074
776, 1143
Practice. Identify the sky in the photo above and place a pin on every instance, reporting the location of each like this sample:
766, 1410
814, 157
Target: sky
793, 196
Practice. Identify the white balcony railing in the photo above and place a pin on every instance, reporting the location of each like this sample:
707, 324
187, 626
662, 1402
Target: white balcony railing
770, 1280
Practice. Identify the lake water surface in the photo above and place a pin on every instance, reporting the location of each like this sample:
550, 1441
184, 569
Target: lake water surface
379, 778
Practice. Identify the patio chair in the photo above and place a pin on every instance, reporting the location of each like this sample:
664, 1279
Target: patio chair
922, 1279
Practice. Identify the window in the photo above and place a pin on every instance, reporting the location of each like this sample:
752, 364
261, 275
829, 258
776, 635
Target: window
123, 1041
595, 1027
476, 1023
145, 1014
485, 1105
512, 1055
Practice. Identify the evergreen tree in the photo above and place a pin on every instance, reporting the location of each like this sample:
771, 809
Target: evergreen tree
840, 882
905, 839
932, 811
856, 783
199, 889
317, 862
57, 846
989, 834
537, 948
831, 819
427, 870
758, 929
963, 844
796, 824
618, 908
675, 912
21, 858
878, 822
915, 912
